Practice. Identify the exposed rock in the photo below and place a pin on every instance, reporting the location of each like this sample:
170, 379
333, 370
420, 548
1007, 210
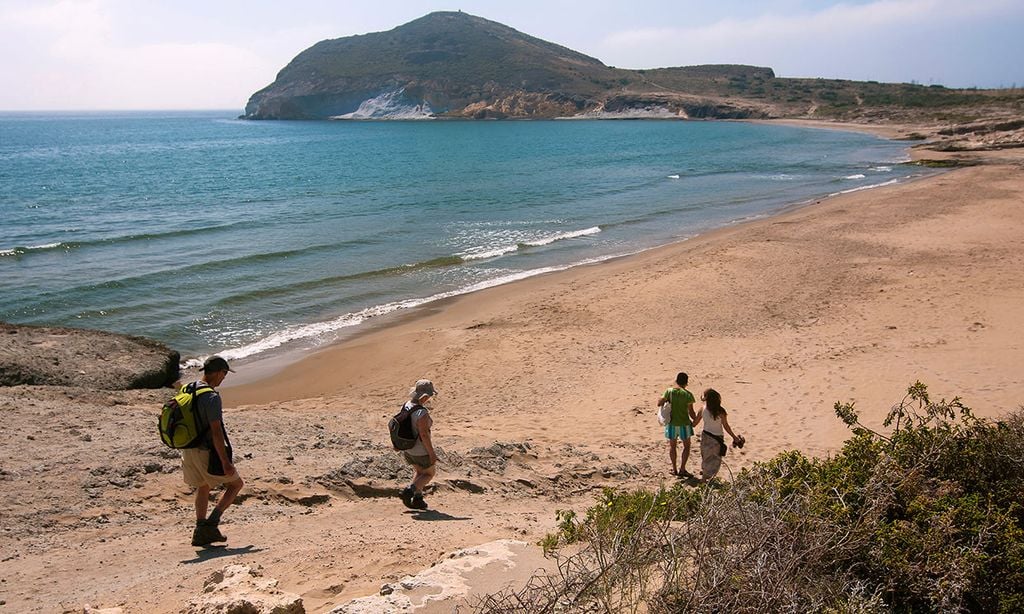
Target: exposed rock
53, 356
88, 609
442, 583
240, 589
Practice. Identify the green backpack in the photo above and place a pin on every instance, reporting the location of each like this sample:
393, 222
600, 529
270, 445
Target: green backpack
180, 427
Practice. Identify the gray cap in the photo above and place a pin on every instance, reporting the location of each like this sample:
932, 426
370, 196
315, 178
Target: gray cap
216, 363
423, 387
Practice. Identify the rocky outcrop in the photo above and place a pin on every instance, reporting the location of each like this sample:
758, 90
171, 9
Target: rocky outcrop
239, 589
43, 355
673, 106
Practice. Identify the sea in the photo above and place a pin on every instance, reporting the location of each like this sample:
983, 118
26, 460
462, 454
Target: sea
245, 238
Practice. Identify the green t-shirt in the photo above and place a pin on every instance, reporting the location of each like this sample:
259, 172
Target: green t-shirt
681, 400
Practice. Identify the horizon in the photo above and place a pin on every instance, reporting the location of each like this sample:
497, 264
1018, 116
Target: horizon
110, 55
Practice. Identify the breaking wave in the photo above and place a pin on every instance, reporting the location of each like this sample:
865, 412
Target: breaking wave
21, 250
508, 249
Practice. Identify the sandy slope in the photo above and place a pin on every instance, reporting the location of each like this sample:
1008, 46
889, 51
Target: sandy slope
547, 390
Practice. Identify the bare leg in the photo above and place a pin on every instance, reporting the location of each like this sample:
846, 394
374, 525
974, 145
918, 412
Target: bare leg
422, 477
686, 454
202, 500
231, 489
672, 454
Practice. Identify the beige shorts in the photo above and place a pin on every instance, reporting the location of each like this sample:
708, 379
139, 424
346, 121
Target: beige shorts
415, 459
194, 461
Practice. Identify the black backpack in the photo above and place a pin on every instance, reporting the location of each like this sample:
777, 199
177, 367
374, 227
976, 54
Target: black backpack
400, 427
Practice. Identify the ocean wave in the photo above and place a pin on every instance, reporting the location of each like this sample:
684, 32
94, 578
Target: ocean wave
491, 253
866, 187
593, 230
321, 282
673, 177
119, 240
881, 169
484, 253
20, 250
856, 176
777, 177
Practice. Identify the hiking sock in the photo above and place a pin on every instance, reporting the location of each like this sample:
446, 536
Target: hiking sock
214, 518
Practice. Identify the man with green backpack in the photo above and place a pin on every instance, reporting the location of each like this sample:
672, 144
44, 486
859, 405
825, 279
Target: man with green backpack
207, 462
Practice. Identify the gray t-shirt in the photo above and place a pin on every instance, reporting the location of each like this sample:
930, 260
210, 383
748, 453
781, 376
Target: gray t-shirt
209, 409
419, 449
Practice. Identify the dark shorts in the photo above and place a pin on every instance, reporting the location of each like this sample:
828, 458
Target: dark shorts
416, 459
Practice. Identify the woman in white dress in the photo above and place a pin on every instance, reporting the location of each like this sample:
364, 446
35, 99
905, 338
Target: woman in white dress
712, 439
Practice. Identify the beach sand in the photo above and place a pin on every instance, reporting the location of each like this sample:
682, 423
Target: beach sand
547, 391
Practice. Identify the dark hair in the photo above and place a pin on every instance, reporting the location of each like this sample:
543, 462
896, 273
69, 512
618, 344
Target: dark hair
214, 364
713, 401
682, 378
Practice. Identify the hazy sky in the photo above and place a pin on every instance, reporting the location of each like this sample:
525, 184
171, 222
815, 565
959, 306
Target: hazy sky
213, 54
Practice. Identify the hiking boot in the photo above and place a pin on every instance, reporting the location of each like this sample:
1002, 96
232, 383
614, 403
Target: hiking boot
205, 534
407, 494
216, 534
417, 502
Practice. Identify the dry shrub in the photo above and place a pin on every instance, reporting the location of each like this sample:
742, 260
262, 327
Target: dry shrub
925, 518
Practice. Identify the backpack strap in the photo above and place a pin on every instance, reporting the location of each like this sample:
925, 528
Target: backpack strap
195, 390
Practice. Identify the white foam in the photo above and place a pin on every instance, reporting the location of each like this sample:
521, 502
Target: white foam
882, 169
15, 251
484, 253
865, 187
673, 176
493, 253
777, 177
593, 230
857, 176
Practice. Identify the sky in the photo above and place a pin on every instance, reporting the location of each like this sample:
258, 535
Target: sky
214, 54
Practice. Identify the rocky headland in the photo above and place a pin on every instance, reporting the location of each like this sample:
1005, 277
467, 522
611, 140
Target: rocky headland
452, 65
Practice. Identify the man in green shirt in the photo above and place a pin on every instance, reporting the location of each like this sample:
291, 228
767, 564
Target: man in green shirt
681, 424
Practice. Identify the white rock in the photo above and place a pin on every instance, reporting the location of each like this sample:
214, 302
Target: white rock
240, 588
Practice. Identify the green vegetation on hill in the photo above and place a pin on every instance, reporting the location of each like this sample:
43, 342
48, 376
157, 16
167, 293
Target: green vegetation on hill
927, 518
460, 65
456, 48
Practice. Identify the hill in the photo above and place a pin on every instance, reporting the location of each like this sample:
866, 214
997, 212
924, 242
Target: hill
456, 65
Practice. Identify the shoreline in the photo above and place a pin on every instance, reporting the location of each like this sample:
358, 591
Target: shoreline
271, 370
277, 360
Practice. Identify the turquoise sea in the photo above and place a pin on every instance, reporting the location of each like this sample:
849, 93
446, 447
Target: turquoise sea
213, 234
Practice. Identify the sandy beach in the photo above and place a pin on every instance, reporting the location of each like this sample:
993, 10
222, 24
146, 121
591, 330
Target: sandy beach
547, 391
